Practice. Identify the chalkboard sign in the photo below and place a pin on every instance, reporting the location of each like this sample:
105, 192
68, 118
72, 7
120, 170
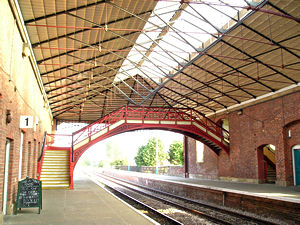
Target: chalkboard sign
29, 194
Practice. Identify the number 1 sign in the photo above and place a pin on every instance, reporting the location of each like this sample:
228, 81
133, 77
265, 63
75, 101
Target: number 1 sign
26, 121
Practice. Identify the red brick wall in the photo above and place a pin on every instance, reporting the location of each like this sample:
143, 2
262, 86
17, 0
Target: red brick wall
206, 169
258, 125
21, 94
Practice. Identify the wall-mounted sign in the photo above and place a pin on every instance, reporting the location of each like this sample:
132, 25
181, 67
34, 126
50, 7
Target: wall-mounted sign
26, 121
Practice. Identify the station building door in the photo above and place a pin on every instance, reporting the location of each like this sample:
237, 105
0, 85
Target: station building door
296, 154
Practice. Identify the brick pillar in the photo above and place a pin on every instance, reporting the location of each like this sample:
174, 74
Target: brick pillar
260, 165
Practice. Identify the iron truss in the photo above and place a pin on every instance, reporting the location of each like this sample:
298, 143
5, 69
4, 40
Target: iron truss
97, 55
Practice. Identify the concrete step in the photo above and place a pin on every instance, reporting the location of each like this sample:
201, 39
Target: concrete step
66, 171
46, 164
56, 179
58, 169
56, 155
56, 165
55, 186
54, 175
56, 152
58, 182
62, 170
56, 160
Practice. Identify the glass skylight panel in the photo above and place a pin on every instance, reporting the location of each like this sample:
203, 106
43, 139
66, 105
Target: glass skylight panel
196, 24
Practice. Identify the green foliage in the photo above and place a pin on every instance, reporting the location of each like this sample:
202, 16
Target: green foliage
146, 155
86, 162
118, 162
176, 153
101, 164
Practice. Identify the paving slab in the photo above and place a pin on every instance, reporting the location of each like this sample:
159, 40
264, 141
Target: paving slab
87, 204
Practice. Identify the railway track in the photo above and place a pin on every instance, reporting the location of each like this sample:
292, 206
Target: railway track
176, 209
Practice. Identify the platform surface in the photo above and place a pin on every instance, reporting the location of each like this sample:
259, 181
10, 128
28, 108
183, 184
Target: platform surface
291, 193
87, 204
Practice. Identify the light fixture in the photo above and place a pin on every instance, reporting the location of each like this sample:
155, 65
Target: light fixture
25, 50
8, 116
240, 112
289, 134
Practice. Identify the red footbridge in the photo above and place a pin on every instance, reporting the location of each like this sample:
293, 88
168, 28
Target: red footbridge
129, 118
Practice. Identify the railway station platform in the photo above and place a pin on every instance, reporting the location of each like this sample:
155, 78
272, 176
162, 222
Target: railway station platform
272, 191
266, 200
87, 204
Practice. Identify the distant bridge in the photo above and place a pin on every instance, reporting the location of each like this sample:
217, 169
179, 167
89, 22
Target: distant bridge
128, 118
56, 166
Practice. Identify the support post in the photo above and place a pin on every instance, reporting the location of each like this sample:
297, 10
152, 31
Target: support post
71, 175
156, 155
71, 166
186, 157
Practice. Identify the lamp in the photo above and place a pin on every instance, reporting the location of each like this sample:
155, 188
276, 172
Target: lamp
289, 134
240, 112
25, 50
8, 116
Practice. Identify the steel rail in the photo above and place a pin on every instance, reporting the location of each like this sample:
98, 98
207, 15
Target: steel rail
166, 217
211, 218
219, 209
196, 212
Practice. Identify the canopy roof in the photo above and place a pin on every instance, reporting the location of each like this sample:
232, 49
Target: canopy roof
212, 55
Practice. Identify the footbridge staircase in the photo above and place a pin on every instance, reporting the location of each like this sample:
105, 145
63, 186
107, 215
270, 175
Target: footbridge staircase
188, 122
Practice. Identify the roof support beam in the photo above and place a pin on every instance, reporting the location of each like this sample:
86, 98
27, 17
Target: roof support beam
158, 93
196, 91
112, 81
190, 99
260, 34
72, 75
260, 62
104, 104
203, 52
80, 101
83, 30
208, 86
120, 69
64, 11
124, 38
71, 51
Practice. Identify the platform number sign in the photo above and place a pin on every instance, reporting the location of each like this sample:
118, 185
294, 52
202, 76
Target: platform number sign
26, 121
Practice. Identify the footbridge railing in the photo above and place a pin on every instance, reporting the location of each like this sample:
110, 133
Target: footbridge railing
178, 119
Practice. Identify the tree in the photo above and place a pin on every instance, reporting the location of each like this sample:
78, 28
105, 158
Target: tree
119, 162
86, 162
176, 153
146, 155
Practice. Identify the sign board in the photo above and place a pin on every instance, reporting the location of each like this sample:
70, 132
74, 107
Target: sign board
26, 121
29, 194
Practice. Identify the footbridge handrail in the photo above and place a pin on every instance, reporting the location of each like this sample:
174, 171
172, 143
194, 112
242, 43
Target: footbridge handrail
147, 115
